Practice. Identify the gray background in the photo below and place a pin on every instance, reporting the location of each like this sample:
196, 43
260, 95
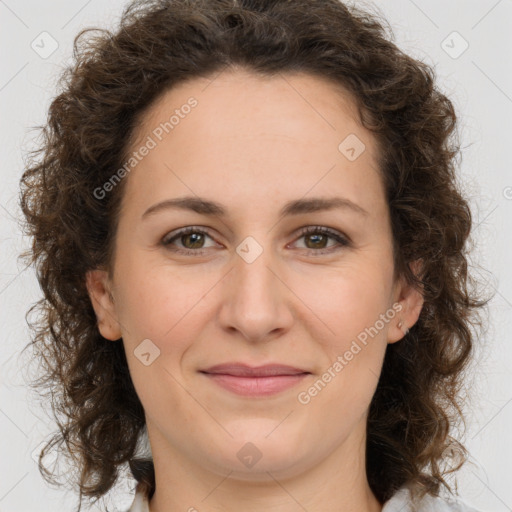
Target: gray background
477, 79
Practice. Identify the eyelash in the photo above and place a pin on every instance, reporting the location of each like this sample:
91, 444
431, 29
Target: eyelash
342, 240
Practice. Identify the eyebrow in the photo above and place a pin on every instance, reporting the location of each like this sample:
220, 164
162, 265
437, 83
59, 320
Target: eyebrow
296, 207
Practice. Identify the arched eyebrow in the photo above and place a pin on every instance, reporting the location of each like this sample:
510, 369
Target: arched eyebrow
204, 206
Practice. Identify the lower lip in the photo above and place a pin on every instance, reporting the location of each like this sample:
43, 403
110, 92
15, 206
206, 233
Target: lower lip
256, 386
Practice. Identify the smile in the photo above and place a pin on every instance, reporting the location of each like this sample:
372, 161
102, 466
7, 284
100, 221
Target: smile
244, 380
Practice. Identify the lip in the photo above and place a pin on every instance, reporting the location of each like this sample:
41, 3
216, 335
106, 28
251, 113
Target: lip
245, 370
246, 380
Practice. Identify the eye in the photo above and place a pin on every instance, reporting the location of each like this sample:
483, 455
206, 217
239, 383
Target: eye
191, 239
317, 237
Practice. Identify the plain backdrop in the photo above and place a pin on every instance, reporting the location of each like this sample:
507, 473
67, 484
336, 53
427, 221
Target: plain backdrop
468, 42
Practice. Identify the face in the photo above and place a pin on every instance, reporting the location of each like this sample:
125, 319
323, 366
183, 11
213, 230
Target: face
245, 284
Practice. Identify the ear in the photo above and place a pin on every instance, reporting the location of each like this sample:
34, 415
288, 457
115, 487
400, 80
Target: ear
99, 288
411, 301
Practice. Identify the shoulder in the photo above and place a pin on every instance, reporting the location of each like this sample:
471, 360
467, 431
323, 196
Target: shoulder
140, 503
402, 502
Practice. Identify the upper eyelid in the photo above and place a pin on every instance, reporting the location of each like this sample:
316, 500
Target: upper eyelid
303, 231
183, 231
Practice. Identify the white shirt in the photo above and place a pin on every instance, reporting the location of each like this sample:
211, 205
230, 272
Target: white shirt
400, 502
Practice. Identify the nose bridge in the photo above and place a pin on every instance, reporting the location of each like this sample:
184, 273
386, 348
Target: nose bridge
255, 301
253, 279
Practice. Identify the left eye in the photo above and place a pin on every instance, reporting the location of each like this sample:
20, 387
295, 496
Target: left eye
318, 237
192, 240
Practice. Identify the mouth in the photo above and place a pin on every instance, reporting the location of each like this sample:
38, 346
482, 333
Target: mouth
245, 380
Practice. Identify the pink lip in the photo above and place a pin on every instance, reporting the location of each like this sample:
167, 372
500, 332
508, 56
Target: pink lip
255, 381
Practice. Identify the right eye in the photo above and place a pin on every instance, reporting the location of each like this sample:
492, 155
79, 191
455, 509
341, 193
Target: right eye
191, 239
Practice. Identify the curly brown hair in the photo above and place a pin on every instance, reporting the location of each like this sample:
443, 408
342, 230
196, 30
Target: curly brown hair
113, 80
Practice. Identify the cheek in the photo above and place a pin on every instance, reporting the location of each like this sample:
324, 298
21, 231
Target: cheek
165, 306
353, 353
346, 303
158, 300
355, 306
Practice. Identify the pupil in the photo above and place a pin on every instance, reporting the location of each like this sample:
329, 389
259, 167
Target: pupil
317, 237
196, 239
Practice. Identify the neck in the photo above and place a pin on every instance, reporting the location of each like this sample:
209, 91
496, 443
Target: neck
338, 483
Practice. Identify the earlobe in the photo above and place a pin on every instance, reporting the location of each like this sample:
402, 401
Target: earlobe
99, 289
411, 299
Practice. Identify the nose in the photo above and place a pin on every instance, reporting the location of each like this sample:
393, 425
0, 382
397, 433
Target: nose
257, 301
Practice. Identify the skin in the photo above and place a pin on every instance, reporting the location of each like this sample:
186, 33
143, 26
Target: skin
253, 143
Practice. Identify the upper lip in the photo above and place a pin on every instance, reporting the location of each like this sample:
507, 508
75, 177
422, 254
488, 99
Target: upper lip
244, 370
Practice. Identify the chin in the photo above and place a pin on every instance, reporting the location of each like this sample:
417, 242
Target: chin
253, 452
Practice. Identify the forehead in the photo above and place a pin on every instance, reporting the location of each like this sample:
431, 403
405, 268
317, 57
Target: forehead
256, 138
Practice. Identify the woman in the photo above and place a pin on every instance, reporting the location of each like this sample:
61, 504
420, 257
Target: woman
252, 248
